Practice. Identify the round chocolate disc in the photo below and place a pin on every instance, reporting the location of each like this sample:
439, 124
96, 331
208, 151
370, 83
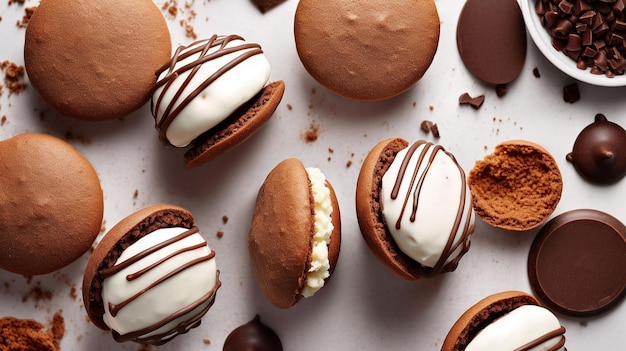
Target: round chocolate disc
491, 39
599, 152
577, 262
253, 336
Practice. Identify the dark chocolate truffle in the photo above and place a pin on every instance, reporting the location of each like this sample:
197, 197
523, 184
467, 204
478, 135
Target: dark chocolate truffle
253, 336
491, 39
577, 262
599, 152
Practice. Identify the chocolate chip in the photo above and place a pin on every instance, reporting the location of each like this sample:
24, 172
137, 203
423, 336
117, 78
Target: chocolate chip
571, 93
501, 90
536, 72
475, 102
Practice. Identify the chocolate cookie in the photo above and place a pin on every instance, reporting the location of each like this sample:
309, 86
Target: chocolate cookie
517, 187
510, 320
366, 50
213, 95
95, 60
295, 235
414, 237
52, 204
153, 257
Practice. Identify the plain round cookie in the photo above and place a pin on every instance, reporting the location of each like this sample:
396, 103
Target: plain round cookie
95, 60
366, 50
52, 204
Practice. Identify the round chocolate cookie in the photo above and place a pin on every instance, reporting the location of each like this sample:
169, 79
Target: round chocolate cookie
577, 262
253, 335
491, 39
95, 60
599, 152
366, 50
52, 204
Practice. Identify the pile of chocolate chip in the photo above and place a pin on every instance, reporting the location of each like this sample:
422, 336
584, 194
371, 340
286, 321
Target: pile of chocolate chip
590, 32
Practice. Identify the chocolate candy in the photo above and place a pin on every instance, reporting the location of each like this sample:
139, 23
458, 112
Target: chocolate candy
599, 152
589, 32
491, 39
577, 263
253, 336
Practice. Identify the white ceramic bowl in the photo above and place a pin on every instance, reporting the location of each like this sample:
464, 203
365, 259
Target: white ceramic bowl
543, 41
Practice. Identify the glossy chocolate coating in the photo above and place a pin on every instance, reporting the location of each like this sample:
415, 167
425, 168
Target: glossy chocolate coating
253, 336
599, 152
577, 263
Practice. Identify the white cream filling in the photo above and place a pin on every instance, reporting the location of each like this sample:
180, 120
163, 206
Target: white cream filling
517, 328
217, 101
439, 199
168, 297
320, 265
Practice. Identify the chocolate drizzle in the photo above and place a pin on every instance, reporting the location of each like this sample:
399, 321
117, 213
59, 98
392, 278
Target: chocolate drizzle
540, 340
182, 327
202, 49
461, 214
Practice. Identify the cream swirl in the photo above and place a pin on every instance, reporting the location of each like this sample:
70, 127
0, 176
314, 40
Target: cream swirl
160, 286
526, 328
204, 83
427, 206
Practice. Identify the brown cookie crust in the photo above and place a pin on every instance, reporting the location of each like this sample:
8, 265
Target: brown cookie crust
366, 50
482, 314
234, 130
517, 187
52, 204
95, 60
369, 211
122, 235
281, 234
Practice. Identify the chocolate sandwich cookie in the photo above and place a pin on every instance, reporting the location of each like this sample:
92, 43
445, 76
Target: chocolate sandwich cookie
517, 187
491, 39
52, 204
154, 257
213, 95
414, 208
577, 262
509, 320
599, 152
254, 336
295, 235
366, 50
95, 60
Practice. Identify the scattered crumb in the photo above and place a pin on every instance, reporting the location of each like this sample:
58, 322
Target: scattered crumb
349, 163
73, 294
536, 72
571, 93
224, 219
330, 150
37, 294
501, 90
312, 133
136, 194
3, 120
11, 2
206, 341
313, 91
13, 77
414, 103
28, 13
103, 227
57, 329
144, 348
219, 234
70, 136
289, 107
583, 324
475, 102
431, 107
329, 158
430, 127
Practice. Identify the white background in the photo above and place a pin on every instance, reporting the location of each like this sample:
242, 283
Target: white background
363, 307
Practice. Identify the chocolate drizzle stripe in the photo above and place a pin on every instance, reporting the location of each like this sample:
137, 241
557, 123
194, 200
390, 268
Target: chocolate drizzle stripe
180, 328
118, 267
540, 340
141, 272
172, 110
462, 216
115, 308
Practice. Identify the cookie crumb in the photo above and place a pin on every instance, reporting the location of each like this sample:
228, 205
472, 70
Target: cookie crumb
219, 234
289, 107
536, 72
206, 341
224, 219
501, 90
349, 163
73, 294
474, 102
136, 194
3, 120
312, 133
13, 77
28, 13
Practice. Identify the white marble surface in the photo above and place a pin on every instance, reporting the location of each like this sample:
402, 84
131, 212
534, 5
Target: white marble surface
363, 307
